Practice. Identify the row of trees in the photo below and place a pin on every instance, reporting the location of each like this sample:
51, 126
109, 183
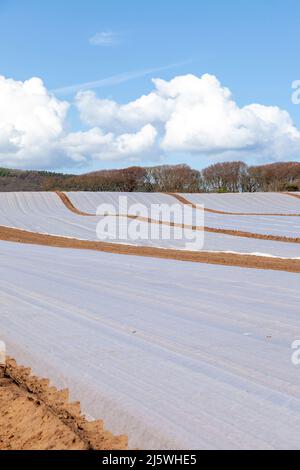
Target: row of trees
238, 177
221, 177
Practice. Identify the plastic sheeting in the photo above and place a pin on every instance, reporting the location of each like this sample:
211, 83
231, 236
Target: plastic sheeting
174, 354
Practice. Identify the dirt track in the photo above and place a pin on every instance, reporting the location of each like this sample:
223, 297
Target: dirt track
34, 416
226, 259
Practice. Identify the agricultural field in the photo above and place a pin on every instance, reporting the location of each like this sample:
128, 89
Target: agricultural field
173, 346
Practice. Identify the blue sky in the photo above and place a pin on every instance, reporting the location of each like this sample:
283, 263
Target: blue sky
251, 47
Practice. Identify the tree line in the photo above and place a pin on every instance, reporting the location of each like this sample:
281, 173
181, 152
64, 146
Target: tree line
220, 177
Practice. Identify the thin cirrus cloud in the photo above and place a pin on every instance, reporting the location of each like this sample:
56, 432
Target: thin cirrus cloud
115, 79
105, 39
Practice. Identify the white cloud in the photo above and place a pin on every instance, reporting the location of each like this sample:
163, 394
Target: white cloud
187, 115
109, 115
96, 145
199, 116
205, 119
31, 121
105, 38
33, 133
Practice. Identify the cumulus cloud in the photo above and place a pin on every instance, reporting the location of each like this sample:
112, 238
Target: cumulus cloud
199, 116
148, 109
96, 145
33, 132
105, 38
187, 115
205, 119
31, 122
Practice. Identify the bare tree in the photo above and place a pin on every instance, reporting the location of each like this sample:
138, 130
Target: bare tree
226, 177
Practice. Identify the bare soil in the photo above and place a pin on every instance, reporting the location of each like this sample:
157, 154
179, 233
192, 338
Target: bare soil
226, 259
34, 416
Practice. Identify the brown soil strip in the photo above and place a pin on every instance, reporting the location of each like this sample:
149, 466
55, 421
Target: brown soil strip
225, 259
233, 233
34, 416
223, 231
292, 195
67, 202
257, 236
183, 200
